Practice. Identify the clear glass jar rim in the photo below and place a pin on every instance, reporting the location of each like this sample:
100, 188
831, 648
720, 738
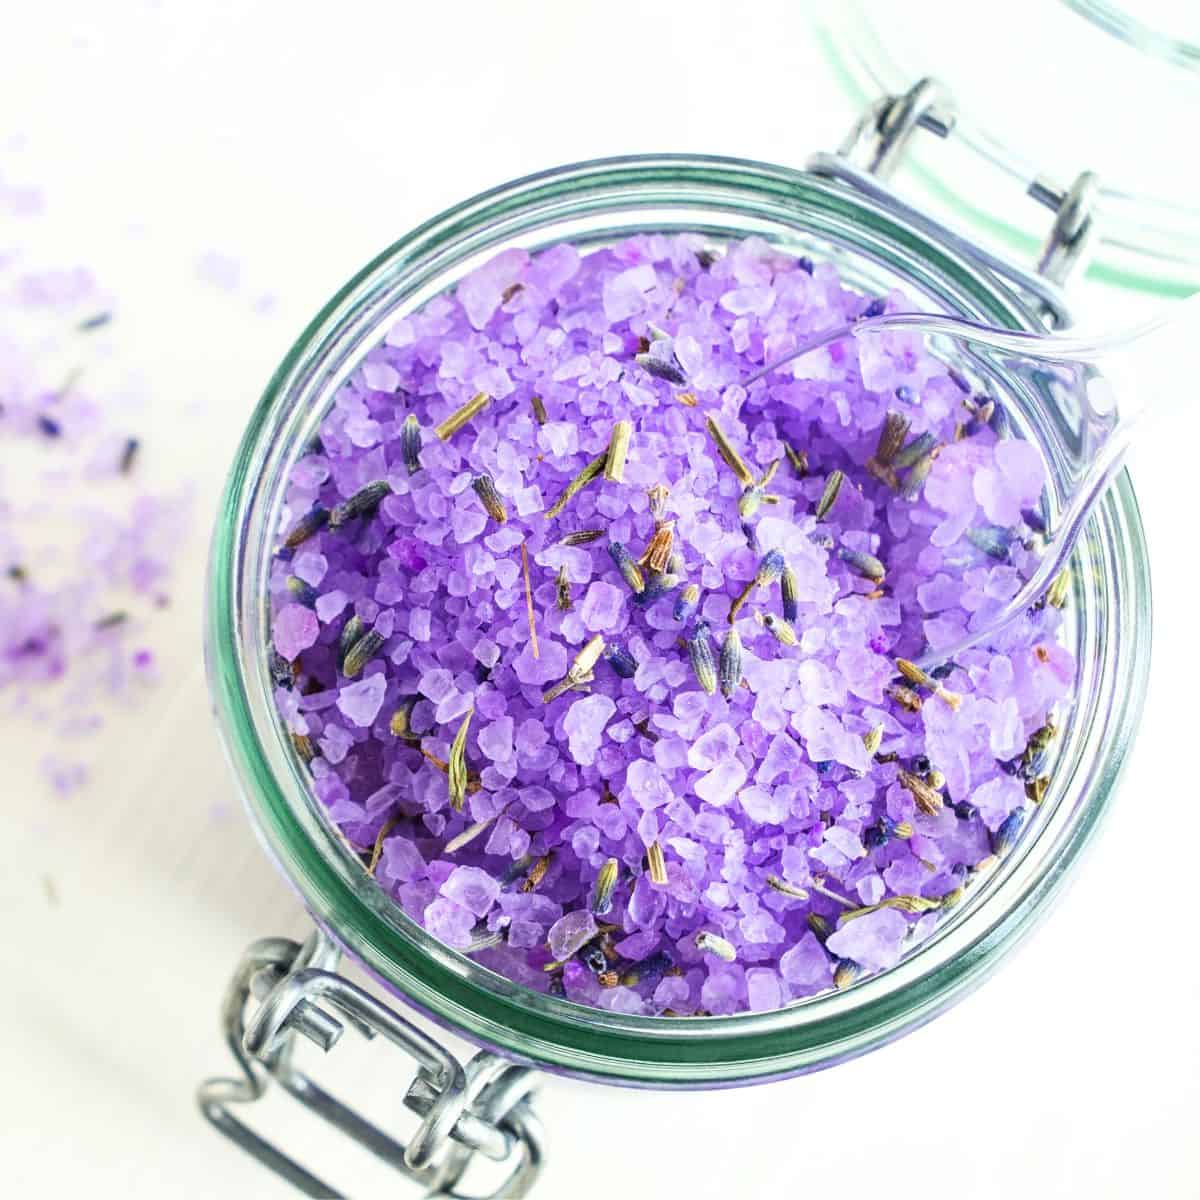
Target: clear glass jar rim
455, 991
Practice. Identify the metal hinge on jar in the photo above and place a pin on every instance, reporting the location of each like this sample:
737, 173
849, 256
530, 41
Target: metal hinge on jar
480, 1109
876, 145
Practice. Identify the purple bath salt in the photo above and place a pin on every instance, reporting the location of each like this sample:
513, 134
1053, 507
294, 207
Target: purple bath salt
597, 651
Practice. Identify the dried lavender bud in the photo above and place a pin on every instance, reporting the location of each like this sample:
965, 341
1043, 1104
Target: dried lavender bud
780, 630
656, 866
915, 450
667, 369
798, 459
713, 943
873, 739
995, 541
657, 496
786, 889
581, 537
687, 603
729, 668
280, 669
770, 570
592, 471
648, 972
484, 487
456, 763
457, 419
629, 569
891, 438
301, 592
353, 629
537, 872
364, 502
700, 653
361, 653
129, 454
730, 456
787, 592
1004, 837
539, 409
865, 565
469, 834
312, 522
593, 957
580, 670
833, 485
410, 444
618, 451
400, 724
845, 973
657, 586
927, 799
562, 590
305, 750
621, 661
1060, 589
999, 421
914, 481
606, 882
658, 550
915, 674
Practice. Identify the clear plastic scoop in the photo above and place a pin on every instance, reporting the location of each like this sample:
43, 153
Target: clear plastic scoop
1075, 397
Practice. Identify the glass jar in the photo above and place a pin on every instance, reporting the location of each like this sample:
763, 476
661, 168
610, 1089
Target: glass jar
876, 242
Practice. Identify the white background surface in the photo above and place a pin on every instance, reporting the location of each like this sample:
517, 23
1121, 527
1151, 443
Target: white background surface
299, 140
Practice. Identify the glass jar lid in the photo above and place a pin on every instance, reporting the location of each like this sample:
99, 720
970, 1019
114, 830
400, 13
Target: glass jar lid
1038, 99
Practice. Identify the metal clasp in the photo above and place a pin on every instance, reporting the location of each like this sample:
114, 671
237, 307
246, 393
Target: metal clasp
1065, 250
877, 143
480, 1109
875, 147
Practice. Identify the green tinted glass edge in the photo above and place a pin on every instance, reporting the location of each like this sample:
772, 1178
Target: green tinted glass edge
731, 1049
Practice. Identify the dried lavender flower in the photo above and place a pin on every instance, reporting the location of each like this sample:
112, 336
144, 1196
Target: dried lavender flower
629, 569
618, 451
687, 603
484, 487
312, 522
833, 485
729, 668
863, 564
713, 943
361, 653
621, 661
606, 882
364, 502
456, 774
704, 667
410, 444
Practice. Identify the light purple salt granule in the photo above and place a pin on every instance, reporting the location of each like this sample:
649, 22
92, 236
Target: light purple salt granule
772, 815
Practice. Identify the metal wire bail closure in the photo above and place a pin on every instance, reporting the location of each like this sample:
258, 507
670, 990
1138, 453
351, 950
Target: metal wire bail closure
482, 1109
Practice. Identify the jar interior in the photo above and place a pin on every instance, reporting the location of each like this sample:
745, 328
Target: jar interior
723, 202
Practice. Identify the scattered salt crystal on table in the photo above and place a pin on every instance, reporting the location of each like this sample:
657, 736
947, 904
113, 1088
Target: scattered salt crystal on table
86, 548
